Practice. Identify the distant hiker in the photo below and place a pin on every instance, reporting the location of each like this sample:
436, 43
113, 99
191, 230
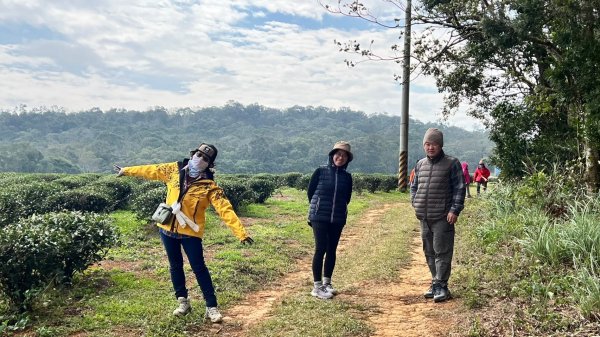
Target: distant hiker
329, 192
465, 169
438, 196
481, 176
411, 177
190, 190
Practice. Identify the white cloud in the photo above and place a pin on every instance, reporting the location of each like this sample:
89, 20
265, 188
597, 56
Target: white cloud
138, 54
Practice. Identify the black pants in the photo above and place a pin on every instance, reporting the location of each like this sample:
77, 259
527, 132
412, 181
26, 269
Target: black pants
327, 237
481, 183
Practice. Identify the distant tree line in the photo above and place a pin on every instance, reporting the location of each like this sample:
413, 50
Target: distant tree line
250, 139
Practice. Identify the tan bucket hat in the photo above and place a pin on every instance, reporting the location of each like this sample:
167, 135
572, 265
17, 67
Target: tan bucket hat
342, 145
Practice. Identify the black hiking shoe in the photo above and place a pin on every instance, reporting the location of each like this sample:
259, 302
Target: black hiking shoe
442, 294
430, 293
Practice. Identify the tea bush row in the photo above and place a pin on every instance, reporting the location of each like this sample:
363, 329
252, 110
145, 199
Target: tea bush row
27, 194
42, 249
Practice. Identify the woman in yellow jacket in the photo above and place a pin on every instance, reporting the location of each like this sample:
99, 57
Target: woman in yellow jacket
190, 190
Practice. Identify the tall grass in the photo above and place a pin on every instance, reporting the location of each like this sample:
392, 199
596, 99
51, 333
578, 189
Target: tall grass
539, 244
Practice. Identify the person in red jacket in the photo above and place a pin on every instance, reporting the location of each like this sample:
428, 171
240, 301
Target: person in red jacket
465, 169
481, 176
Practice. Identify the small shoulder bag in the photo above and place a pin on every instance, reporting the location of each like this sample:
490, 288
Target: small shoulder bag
164, 212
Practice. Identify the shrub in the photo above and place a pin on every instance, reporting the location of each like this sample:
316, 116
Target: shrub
302, 182
119, 189
88, 237
29, 254
236, 191
387, 182
22, 200
50, 247
9, 209
289, 179
359, 183
86, 200
77, 180
144, 204
261, 189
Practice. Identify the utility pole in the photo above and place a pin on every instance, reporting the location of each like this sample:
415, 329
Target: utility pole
403, 161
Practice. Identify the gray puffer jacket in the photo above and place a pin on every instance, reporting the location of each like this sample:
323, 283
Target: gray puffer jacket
438, 187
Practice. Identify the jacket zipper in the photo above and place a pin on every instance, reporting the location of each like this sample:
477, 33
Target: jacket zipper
427, 189
334, 194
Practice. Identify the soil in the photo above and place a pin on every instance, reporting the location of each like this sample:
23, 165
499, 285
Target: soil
401, 309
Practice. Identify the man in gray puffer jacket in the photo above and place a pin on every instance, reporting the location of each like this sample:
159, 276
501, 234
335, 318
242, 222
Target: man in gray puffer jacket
438, 196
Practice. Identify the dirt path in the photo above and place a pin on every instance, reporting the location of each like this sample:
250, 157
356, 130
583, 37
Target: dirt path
401, 308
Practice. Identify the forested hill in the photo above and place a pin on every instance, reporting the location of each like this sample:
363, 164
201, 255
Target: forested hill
250, 139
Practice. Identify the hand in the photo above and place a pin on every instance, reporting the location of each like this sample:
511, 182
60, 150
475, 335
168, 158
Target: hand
451, 218
118, 169
247, 241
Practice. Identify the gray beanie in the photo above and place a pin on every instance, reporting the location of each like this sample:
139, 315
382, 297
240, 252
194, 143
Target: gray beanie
434, 135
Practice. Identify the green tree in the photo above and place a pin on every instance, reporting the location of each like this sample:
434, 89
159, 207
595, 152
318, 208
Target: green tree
540, 56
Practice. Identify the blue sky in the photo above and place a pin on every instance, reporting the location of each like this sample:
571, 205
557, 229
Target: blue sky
139, 54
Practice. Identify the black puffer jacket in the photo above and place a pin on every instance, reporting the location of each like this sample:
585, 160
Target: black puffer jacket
329, 193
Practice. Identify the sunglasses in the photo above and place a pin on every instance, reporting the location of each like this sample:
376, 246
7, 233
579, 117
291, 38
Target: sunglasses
199, 154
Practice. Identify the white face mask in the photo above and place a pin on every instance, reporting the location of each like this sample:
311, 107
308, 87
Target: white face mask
197, 165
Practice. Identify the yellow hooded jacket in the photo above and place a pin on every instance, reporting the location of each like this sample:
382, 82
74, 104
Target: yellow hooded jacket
199, 195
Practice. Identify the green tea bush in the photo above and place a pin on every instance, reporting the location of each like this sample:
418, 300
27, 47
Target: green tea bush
9, 209
119, 189
387, 182
373, 182
87, 200
302, 182
22, 200
4, 176
50, 247
49, 176
29, 254
89, 236
236, 191
261, 189
32, 197
77, 180
10, 179
144, 204
359, 183
289, 179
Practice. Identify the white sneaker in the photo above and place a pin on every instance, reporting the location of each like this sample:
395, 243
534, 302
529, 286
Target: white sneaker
213, 314
321, 292
184, 307
330, 289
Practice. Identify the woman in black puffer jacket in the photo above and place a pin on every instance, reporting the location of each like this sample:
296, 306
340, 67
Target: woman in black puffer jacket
329, 193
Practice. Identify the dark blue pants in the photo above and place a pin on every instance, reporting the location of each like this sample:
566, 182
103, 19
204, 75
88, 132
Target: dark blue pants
327, 237
193, 249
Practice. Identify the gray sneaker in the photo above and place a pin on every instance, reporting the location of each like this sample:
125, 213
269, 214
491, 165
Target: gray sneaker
321, 292
330, 289
213, 314
184, 307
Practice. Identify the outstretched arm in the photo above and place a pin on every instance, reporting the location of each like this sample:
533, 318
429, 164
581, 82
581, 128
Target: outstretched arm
227, 214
